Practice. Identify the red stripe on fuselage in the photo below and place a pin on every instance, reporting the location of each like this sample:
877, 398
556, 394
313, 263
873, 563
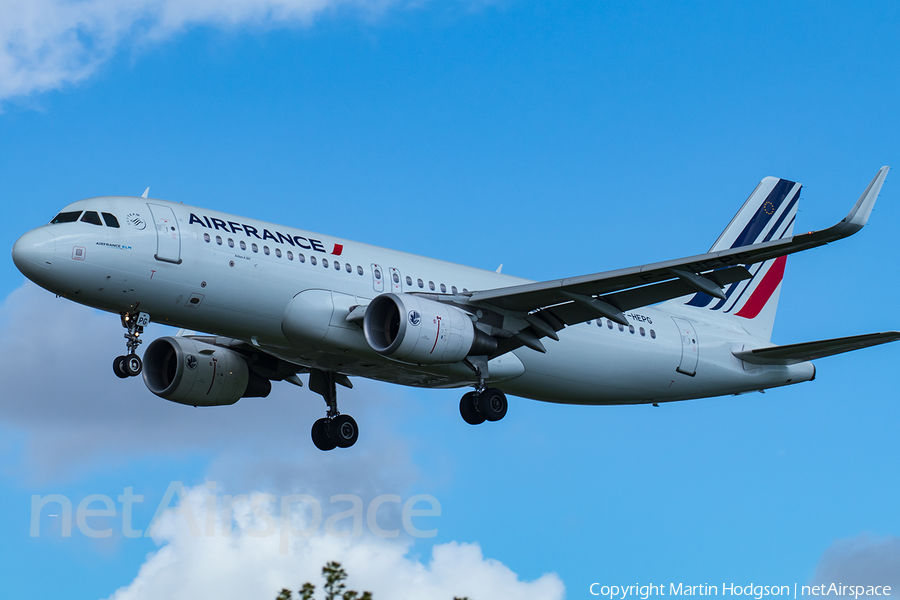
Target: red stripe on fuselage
764, 291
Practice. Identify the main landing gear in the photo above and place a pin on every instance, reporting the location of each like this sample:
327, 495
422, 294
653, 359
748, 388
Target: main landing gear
484, 404
334, 430
131, 365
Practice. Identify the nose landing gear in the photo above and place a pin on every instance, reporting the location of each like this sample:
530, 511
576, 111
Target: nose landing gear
131, 365
334, 430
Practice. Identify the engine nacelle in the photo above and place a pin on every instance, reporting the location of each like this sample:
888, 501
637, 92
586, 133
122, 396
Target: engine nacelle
190, 372
421, 331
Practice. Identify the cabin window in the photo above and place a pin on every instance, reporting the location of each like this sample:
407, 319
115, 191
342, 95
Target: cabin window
243, 245
266, 250
219, 240
111, 220
421, 283
453, 289
254, 247
609, 323
290, 255
643, 333
631, 329
230, 243
301, 258
92, 218
621, 327
359, 269
206, 237
465, 291
652, 334
377, 274
66, 217
431, 285
443, 289
349, 268
312, 260
337, 266
278, 252
409, 281
396, 278
325, 262
599, 322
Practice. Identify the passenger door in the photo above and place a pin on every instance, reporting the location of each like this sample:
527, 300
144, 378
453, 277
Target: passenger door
690, 349
168, 240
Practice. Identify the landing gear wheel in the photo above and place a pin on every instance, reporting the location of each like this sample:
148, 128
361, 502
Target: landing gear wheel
320, 435
119, 367
469, 410
344, 431
133, 365
492, 404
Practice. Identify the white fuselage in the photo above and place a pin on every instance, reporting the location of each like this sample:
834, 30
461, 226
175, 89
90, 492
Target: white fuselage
160, 262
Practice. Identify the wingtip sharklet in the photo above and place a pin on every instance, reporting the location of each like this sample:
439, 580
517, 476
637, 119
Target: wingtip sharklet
859, 214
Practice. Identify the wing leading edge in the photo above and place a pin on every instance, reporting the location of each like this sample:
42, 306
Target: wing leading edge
521, 315
576, 299
532, 296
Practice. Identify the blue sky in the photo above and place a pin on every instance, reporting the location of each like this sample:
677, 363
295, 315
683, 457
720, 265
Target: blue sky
555, 138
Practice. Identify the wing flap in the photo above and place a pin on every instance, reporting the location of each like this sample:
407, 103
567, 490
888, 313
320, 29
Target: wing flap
797, 353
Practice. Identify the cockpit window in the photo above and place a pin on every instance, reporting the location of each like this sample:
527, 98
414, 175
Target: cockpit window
92, 218
66, 217
111, 220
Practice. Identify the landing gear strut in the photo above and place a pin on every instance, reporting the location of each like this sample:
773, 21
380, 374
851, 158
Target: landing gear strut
484, 404
131, 365
334, 430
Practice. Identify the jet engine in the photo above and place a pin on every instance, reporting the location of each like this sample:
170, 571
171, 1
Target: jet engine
421, 331
190, 372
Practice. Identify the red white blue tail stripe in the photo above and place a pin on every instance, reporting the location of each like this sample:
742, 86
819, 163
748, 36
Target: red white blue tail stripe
768, 214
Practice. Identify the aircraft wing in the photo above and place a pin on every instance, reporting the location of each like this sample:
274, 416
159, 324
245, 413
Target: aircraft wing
797, 353
575, 299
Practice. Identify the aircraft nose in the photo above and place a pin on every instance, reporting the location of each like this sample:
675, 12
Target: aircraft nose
34, 253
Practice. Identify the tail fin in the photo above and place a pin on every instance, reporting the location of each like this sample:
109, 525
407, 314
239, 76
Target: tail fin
768, 214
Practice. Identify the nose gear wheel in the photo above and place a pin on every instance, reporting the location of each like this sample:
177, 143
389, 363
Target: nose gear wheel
131, 365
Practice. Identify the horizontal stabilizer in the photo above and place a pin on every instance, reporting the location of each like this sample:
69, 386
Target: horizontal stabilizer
797, 353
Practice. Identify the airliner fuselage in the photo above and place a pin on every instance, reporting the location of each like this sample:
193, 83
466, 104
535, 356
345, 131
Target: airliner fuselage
299, 299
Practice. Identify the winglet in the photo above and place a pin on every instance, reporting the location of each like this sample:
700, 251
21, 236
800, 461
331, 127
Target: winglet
146, 192
859, 215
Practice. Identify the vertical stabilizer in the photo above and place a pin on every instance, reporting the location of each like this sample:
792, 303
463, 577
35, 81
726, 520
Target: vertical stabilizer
768, 214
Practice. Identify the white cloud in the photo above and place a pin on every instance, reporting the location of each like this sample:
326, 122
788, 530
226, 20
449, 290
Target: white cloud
244, 566
48, 44
861, 560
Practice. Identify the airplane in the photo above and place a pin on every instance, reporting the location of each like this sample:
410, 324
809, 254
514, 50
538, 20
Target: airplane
276, 302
